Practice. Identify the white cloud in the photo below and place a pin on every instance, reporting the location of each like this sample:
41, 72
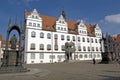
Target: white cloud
113, 18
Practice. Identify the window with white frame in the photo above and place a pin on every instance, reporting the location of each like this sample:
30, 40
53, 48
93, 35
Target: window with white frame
55, 36
85, 56
79, 48
79, 39
68, 38
88, 40
83, 39
93, 49
48, 47
58, 28
32, 56
30, 24
64, 29
63, 47
33, 34
56, 47
96, 48
41, 55
48, 36
81, 56
34, 24
73, 38
38, 25
32, 46
41, 35
95, 40
84, 48
92, 40
62, 37
41, 46
88, 48
52, 57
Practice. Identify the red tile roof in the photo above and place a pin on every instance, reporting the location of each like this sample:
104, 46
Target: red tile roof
117, 38
49, 24
0, 37
90, 30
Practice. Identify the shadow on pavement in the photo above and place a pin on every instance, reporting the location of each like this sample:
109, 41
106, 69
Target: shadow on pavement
107, 77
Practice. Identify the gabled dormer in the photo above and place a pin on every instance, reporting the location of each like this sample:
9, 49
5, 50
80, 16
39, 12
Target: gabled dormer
82, 29
33, 20
98, 32
61, 24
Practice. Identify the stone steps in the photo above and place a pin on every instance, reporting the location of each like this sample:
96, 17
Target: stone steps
13, 69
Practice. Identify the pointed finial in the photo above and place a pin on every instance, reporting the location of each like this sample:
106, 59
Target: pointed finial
9, 22
63, 14
16, 19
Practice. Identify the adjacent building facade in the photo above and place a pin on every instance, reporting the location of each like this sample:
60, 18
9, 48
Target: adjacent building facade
112, 47
45, 38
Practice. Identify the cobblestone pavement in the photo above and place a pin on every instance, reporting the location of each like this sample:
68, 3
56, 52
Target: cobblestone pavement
67, 71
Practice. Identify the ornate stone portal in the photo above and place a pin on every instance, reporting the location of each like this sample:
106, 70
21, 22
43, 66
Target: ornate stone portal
69, 49
12, 57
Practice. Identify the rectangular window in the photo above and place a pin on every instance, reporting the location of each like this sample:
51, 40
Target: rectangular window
56, 47
32, 55
52, 57
64, 29
41, 55
34, 24
48, 47
38, 25
68, 38
79, 39
92, 40
88, 40
58, 28
83, 39
73, 38
96, 40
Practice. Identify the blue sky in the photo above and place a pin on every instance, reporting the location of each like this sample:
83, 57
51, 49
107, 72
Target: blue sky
104, 12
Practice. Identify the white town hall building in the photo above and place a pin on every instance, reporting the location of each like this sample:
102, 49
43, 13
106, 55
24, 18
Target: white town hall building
45, 37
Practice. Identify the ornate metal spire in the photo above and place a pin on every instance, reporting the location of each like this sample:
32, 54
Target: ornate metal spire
63, 14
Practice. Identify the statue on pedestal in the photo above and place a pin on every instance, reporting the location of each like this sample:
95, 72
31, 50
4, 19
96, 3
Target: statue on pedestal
13, 41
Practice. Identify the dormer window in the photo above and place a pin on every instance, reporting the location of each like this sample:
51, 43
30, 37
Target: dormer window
38, 25
32, 16
30, 24
81, 25
58, 28
64, 29
59, 21
36, 17
34, 24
